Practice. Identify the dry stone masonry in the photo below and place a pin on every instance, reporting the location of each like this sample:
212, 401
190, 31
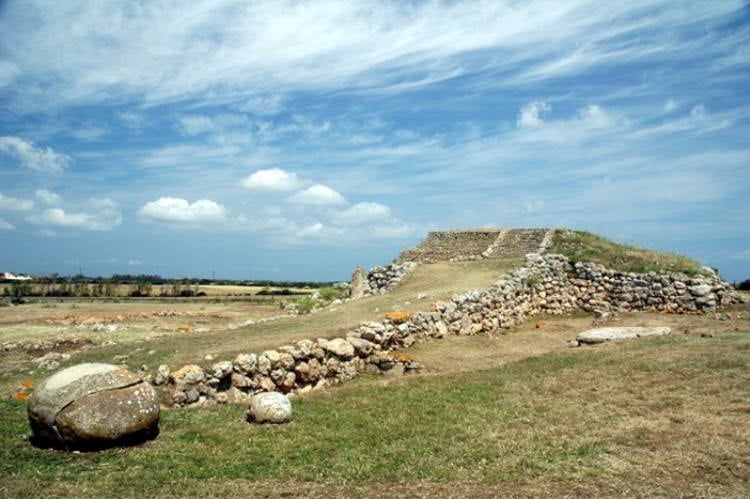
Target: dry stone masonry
379, 280
475, 244
546, 284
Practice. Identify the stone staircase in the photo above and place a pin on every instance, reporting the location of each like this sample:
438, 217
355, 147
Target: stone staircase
467, 244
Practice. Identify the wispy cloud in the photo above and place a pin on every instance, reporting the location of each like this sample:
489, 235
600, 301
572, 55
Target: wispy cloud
104, 216
399, 45
29, 156
15, 204
47, 197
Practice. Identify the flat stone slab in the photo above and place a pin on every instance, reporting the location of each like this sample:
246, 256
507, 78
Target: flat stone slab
604, 334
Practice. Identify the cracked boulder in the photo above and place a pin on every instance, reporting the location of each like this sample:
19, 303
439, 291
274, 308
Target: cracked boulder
93, 406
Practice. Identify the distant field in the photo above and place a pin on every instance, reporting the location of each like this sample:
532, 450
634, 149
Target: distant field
124, 290
232, 290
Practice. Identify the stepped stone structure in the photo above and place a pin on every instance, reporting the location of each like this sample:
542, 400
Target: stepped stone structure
475, 244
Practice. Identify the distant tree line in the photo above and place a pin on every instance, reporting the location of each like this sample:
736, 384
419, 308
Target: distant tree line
743, 286
157, 280
140, 285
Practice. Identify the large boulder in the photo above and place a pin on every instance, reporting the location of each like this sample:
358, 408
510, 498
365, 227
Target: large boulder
604, 334
93, 406
269, 407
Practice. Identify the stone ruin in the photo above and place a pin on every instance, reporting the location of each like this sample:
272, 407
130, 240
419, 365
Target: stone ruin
379, 280
476, 244
546, 284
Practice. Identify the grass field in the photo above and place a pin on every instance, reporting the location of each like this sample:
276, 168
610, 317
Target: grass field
515, 413
664, 416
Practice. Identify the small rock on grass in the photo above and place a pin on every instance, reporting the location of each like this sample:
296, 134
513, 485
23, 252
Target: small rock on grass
269, 407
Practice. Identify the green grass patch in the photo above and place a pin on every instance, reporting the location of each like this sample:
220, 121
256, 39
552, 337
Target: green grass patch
583, 246
554, 417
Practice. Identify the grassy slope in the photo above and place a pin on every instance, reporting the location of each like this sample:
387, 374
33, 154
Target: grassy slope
655, 416
438, 281
586, 247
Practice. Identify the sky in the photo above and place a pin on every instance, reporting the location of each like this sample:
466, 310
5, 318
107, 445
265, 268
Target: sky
296, 140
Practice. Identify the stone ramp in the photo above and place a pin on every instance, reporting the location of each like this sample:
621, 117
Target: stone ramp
467, 244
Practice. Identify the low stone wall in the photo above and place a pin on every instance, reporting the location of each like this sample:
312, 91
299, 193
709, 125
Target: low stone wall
379, 280
382, 279
548, 284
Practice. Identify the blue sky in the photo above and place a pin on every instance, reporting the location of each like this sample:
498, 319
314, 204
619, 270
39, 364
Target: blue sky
295, 140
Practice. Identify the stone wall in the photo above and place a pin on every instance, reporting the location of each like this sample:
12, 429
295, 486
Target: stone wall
383, 278
546, 284
475, 244
379, 280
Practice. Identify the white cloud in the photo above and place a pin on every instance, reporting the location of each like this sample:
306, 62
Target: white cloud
314, 230
670, 105
169, 209
698, 120
135, 262
596, 117
362, 213
43, 160
47, 197
273, 179
6, 225
14, 204
105, 219
331, 234
589, 121
530, 114
318, 194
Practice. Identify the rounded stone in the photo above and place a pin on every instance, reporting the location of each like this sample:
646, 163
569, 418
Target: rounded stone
93, 406
269, 407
